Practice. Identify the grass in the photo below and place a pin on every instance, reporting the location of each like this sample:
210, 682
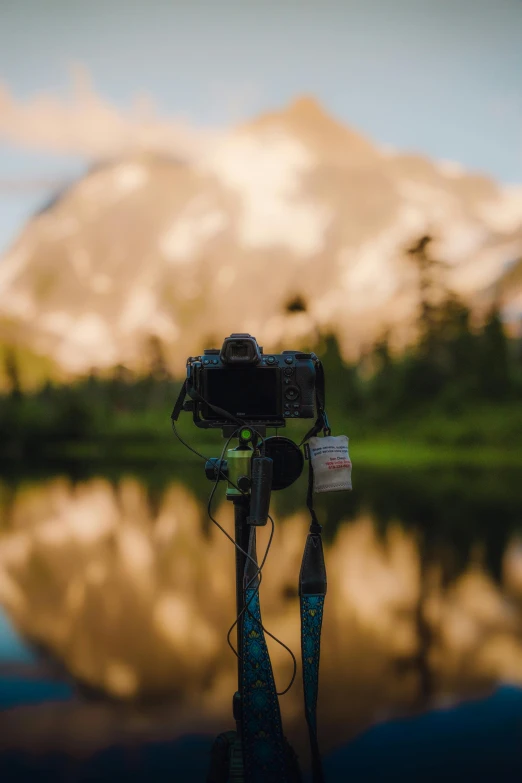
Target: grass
386, 453
475, 435
414, 454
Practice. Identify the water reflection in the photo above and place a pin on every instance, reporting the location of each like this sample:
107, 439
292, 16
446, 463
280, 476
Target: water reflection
123, 583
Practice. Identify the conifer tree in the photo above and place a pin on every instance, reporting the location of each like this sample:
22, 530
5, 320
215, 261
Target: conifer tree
494, 369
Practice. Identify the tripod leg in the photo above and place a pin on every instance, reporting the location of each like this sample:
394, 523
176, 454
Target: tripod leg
226, 764
223, 758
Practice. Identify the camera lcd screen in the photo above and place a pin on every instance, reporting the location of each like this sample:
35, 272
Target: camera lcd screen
246, 392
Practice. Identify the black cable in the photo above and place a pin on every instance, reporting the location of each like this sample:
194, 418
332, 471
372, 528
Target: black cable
258, 573
259, 568
220, 471
260, 624
255, 576
256, 591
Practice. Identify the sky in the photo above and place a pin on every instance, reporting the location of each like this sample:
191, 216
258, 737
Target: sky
440, 77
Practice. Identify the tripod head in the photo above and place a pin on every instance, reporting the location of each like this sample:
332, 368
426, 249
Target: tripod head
243, 466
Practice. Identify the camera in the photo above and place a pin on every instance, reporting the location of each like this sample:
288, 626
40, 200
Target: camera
240, 380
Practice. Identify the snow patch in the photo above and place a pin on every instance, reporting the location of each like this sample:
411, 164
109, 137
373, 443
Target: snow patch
87, 342
370, 277
460, 240
20, 304
388, 150
128, 177
163, 326
505, 213
480, 271
138, 311
451, 168
141, 314
57, 322
195, 225
266, 170
11, 266
436, 203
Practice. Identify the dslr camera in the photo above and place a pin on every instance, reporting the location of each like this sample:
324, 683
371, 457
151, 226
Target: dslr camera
238, 379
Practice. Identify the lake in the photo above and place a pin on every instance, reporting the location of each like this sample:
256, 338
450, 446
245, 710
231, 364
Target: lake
118, 591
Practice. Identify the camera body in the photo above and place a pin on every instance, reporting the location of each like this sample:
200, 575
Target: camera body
257, 388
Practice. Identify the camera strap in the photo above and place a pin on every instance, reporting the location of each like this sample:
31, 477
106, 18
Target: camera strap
312, 592
187, 388
264, 753
312, 588
321, 423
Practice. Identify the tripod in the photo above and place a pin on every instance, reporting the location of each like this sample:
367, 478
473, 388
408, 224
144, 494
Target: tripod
227, 755
257, 751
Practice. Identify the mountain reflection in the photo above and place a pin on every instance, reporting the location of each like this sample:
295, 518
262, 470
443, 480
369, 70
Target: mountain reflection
134, 599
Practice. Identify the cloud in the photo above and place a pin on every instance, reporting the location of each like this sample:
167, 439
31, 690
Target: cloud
89, 126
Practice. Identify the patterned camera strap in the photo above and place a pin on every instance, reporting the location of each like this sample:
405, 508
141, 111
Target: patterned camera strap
261, 726
262, 731
312, 592
312, 586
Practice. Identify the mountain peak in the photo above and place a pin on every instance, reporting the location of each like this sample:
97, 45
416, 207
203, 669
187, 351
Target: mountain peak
306, 118
305, 111
307, 107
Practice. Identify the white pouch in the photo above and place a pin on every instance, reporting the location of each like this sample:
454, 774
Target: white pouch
331, 463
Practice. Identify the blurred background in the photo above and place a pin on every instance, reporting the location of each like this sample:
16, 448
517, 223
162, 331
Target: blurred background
338, 176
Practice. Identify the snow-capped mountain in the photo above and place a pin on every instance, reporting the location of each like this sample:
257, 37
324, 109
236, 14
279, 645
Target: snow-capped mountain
291, 204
